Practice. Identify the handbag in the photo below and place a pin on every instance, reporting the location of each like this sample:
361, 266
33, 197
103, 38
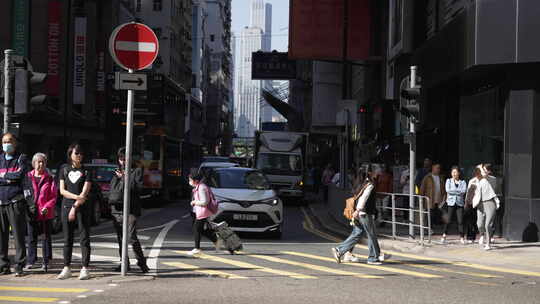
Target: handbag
29, 197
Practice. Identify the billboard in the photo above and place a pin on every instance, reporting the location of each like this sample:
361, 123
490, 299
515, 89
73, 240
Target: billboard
316, 29
272, 65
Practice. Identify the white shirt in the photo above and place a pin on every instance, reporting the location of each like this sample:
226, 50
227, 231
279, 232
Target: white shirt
335, 179
362, 200
484, 192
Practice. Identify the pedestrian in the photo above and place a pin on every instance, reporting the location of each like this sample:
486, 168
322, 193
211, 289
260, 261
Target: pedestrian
422, 172
487, 203
433, 187
316, 175
469, 217
326, 180
116, 199
404, 182
45, 196
496, 185
455, 201
75, 183
13, 169
363, 222
200, 201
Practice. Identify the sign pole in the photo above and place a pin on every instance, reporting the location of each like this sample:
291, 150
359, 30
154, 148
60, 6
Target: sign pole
127, 176
7, 87
412, 162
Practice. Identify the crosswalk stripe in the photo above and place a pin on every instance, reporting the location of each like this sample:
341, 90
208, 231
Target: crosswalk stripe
314, 267
382, 268
443, 269
43, 289
461, 264
251, 266
28, 299
204, 270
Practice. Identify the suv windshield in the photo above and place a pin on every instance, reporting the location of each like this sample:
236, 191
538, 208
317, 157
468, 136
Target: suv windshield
282, 164
238, 179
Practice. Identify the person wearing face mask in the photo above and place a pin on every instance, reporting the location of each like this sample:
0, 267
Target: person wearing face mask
45, 195
200, 201
13, 168
116, 199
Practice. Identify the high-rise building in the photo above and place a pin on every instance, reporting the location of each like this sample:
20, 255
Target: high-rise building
248, 99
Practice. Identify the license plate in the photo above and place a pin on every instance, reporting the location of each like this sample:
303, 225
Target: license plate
245, 217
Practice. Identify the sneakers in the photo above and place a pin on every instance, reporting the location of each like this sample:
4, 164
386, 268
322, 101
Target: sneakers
5, 271
336, 254
481, 240
351, 258
384, 257
144, 268
84, 274
30, 267
65, 274
374, 262
462, 240
194, 252
487, 248
443, 240
470, 241
492, 240
19, 272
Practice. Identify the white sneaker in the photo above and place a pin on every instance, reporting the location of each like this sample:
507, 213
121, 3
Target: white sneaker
443, 240
351, 258
65, 274
85, 274
384, 257
487, 247
470, 241
194, 252
492, 240
481, 240
462, 240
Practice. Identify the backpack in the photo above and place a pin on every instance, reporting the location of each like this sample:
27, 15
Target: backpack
530, 234
350, 204
212, 204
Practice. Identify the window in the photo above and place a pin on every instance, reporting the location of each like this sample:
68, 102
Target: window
138, 6
158, 5
212, 38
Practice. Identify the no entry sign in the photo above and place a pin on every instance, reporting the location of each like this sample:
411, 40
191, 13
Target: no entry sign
133, 46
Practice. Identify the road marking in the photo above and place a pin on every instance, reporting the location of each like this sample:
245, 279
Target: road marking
28, 299
308, 225
314, 267
484, 283
443, 269
249, 266
43, 289
204, 270
156, 247
113, 236
382, 268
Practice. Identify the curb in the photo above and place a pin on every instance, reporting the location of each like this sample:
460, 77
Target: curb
130, 279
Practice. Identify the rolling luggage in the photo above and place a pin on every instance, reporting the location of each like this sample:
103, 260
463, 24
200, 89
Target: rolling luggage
229, 239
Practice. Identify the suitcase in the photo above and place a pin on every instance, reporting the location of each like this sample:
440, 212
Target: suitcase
229, 239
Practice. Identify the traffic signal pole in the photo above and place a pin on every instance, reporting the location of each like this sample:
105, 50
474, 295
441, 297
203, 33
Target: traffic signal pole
7, 87
412, 159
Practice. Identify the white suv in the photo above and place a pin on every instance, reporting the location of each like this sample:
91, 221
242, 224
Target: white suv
246, 201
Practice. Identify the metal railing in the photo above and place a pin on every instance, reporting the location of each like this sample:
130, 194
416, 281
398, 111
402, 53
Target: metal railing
419, 208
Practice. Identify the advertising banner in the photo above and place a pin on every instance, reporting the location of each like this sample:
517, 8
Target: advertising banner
79, 61
21, 27
52, 83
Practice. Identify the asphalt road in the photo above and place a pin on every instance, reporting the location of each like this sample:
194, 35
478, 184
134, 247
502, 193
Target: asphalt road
295, 269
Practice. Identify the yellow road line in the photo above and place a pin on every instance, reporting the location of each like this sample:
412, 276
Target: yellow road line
43, 289
377, 267
251, 266
28, 299
204, 270
443, 269
308, 225
315, 267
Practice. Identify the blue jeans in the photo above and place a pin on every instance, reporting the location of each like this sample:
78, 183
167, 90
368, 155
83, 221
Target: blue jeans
366, 224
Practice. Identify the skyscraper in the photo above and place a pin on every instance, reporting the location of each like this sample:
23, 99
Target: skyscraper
248, 99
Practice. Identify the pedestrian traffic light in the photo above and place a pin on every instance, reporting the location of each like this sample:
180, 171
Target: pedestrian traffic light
24, 82
411, 103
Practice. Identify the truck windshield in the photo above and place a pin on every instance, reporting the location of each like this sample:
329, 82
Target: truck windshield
279, 164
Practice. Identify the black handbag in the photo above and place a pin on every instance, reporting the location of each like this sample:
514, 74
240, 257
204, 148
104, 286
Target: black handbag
29, 197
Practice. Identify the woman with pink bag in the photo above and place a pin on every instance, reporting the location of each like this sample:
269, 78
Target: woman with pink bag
203, 205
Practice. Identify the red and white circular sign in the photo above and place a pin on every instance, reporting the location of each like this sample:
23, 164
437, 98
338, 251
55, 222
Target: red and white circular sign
133, 46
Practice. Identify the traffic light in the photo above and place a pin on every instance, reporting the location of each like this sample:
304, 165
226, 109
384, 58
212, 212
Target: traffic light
24, 96
411, 103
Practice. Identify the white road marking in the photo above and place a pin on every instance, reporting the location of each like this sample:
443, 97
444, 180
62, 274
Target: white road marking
156, 247
113, 236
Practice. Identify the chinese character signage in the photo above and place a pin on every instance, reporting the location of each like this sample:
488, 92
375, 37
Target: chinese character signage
79, 61
272, 65
21, 24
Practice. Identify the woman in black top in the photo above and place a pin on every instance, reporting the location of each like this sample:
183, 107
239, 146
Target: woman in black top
74, 187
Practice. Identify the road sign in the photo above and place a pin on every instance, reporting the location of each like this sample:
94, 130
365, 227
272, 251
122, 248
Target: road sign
133, 46
128, 81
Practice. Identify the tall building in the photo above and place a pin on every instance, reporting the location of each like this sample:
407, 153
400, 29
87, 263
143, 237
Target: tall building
248, 102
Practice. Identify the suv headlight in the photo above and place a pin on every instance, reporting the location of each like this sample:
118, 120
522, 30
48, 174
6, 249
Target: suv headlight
273, 201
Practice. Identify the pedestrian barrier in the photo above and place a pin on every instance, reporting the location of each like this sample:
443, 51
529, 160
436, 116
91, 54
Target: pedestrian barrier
417, 215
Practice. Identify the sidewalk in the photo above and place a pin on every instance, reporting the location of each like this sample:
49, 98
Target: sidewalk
518, 255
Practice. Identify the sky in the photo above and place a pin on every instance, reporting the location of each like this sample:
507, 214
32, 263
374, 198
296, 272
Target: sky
280, 20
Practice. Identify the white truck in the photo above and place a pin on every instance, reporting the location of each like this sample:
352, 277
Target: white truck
281, 156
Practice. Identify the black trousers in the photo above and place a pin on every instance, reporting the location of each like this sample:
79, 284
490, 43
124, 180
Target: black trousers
458, 211
83, 221
133, 239
469, 220
13, 215
35, 228
202, 227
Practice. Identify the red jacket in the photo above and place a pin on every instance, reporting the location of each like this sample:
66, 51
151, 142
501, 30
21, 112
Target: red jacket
45, 194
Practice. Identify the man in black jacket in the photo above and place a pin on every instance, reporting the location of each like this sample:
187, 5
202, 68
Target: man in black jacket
116, 199
13, 170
